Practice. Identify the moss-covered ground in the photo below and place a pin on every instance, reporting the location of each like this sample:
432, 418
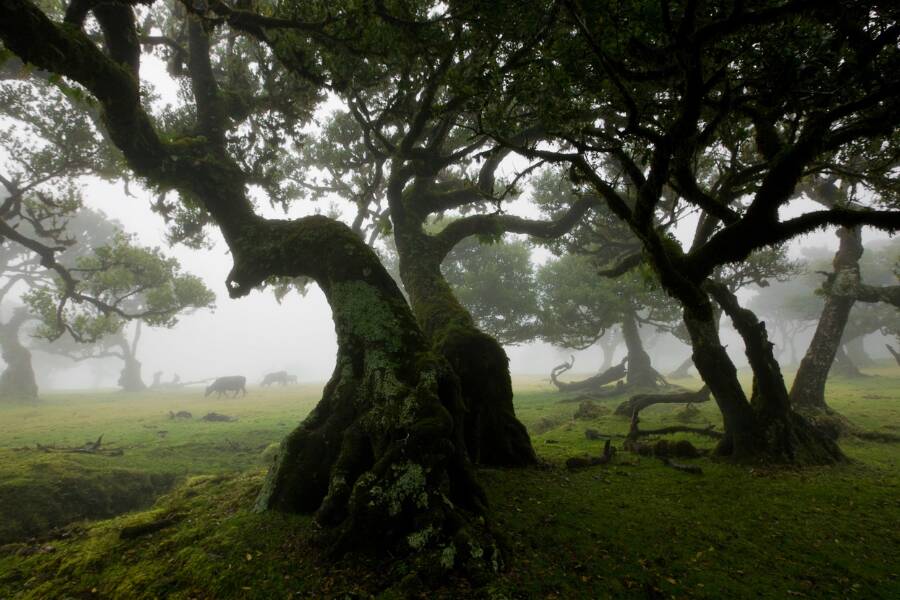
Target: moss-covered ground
632, 529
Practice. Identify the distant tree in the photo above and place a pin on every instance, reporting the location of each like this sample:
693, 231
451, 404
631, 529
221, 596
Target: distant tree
125, 282
45, 147
578, 308
80, 275
494, 281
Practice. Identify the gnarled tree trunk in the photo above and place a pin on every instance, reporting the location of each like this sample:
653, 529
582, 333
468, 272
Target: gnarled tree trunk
493, 434
17, 383
382, 459
130, 378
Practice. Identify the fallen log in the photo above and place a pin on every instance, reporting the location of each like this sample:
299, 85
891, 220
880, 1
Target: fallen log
594, 383
639, 402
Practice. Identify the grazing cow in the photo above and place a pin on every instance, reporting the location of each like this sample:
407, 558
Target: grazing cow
292, 379
279, 377
223, 385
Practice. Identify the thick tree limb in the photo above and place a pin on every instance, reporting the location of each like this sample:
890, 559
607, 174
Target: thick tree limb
639, 402
459, 230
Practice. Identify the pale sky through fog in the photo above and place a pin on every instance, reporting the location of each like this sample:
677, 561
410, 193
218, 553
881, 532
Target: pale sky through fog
254, 335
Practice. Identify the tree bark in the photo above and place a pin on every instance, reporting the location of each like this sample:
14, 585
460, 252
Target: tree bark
17, 383
640, 371
493, 434
808, 389
786, 436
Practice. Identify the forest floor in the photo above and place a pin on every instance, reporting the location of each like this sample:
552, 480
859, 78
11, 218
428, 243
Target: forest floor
631, 529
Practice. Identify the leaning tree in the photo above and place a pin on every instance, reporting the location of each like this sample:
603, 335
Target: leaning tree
768, 93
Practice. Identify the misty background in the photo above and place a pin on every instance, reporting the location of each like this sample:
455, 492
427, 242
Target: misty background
255, 335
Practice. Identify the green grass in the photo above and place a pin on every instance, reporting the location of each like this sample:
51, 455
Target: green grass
634, 529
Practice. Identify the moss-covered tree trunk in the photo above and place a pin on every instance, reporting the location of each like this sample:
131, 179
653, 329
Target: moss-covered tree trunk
17, 383
808, 389
493, 434
640, 370
381, 461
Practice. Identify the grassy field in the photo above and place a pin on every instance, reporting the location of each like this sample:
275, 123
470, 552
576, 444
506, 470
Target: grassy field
635, 528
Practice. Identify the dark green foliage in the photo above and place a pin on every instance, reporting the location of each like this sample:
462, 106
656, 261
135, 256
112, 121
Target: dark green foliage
493, 280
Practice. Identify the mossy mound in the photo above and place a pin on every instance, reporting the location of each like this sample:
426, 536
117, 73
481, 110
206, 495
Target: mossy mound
55, 490
201, 540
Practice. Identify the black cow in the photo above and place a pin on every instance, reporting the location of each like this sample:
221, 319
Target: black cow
279, 377
232, 383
